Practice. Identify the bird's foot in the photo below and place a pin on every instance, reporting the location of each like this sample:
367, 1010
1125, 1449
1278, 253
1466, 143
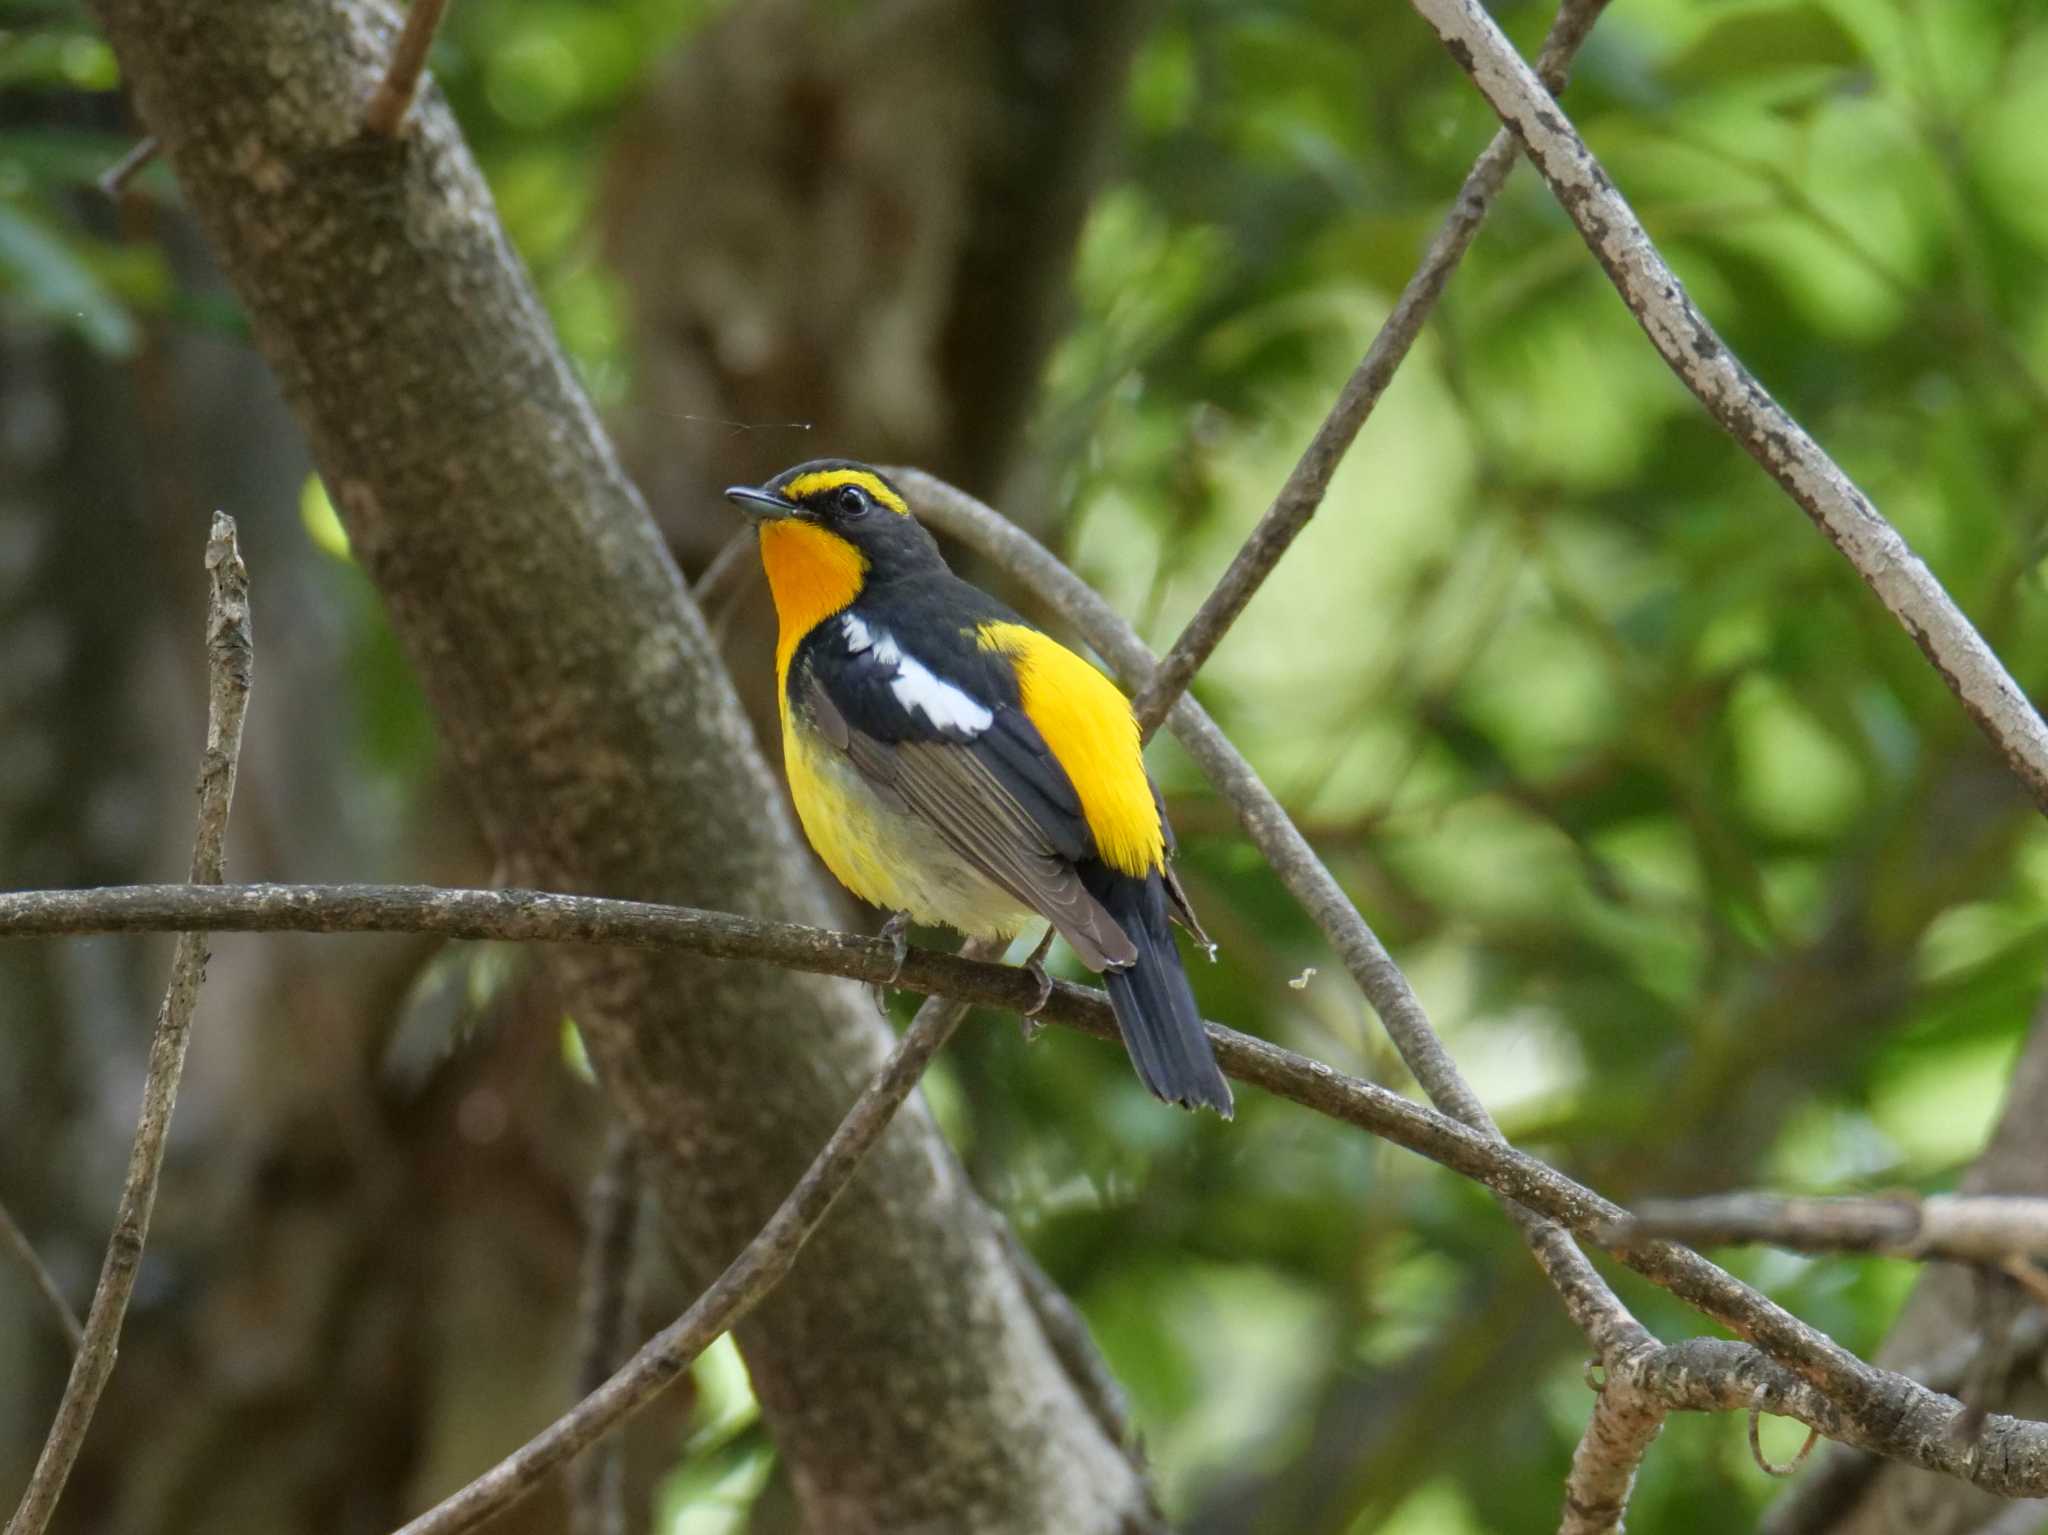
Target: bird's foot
896, 933
1028, 1021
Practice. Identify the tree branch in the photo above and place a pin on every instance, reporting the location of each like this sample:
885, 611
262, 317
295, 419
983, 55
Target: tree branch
113, 181
1624, 1423
597, 1485
1956, 1228
1807, 1374
230, 656
1735, 399
385, 114
759, 1267
16, 1241
1302, 495
1592, 1306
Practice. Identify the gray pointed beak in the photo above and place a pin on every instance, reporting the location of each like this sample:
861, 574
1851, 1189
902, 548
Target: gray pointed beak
758, 504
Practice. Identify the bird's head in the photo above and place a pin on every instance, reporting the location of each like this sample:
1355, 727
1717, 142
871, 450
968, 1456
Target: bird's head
833, 518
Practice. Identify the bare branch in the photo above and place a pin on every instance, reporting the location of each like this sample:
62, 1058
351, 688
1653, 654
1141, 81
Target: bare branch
1302, 495
16, 1241
230, 656
598, 1480
113, 181
1624, 1423
2009, 1457
1811, 1377
747, 1279
1764, 1463
1956, 1228
385, 114
1735, 399
1592, 1306
1821, 1497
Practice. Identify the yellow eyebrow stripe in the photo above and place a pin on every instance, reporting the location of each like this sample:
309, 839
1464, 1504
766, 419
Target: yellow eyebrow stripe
831, 479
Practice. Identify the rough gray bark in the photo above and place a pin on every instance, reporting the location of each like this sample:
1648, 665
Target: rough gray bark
901, 1366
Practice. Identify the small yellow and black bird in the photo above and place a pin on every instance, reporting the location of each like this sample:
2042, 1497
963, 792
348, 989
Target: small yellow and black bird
957, 766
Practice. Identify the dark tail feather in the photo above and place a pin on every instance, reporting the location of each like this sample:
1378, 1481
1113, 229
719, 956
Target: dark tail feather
1155, 1008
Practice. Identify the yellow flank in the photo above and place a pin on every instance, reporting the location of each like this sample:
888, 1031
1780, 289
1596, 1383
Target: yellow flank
886, 856
831, 479
1092, 732
812, 575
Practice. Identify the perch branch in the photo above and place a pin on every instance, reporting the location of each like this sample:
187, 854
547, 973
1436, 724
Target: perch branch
1734, 397
1810, 1377
1302, 495
760, 1265
230, 655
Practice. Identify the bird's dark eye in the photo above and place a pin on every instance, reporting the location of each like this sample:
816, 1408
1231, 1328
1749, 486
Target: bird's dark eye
850, 501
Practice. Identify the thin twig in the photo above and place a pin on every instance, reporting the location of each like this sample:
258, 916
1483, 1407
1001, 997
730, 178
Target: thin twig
1734, 397
230, 655
597, 1490
113, 181
401, 83
1625, 1421
1956, 1228
1812, 1377
1591, 1304
1302, 495
16, 1241
1764, 1463
759, 1267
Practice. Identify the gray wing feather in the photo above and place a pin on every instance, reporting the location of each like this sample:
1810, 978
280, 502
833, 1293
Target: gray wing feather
956, 793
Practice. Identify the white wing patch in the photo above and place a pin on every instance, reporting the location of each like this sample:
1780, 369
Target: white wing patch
915, 685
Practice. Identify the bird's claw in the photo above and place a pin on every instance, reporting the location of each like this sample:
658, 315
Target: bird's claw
896, 932
1028, 1021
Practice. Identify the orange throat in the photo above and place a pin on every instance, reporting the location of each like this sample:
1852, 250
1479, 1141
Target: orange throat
812, 574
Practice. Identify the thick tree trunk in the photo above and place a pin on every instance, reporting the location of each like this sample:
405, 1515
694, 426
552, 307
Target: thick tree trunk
900, 1366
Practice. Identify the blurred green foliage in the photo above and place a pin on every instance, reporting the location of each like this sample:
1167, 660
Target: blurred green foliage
1704, 876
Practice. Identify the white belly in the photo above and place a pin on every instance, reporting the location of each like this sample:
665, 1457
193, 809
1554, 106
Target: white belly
884, 855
